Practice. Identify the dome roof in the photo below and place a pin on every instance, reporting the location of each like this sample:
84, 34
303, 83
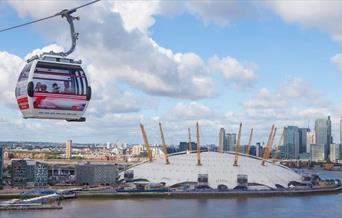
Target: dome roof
218, 166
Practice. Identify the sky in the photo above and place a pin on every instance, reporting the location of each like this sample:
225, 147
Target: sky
215, 62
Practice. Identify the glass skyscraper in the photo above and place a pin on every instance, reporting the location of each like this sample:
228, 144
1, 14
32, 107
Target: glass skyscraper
323, 134
291, 142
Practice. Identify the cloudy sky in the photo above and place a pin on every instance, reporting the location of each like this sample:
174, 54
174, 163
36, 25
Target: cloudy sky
178, 62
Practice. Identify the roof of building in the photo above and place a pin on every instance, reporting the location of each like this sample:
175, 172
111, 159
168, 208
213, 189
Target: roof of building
218, 166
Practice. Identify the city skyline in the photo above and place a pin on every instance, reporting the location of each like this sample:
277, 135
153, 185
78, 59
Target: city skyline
183, 62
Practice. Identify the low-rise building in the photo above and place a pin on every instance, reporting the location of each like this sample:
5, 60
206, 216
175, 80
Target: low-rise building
96, 174
28, 173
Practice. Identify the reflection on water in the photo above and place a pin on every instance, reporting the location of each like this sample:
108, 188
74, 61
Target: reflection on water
313, 206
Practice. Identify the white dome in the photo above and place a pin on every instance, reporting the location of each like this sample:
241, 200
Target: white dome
218, 166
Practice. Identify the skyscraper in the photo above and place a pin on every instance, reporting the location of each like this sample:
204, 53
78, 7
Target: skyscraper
1, 166
230, 141
222, 140
68, 149
302, 140
291, 142
323, 134
341, 130
310, 139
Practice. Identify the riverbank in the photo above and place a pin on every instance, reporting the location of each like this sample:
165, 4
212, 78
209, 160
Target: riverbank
209, 194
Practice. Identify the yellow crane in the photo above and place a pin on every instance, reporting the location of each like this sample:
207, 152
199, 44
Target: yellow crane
248, 148
268, 148
276, 153
237, 147
164, 144
198, 146
147, 145
190, 144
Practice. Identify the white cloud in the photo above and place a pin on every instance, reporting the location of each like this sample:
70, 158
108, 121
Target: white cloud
10, 67
325, 15
137, 14
192, 111
337, 61
241, 76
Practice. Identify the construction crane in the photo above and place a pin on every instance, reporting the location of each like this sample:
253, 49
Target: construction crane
276, 153
147, 145
164, 144
248, 148
237, 147
198, 146
190, 144
268, 148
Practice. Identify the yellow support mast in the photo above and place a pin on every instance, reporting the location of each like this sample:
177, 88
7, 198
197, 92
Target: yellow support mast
278, 145
248, 148
237, 147
198, 146
147, 145
190, 144
268, 148
164, 144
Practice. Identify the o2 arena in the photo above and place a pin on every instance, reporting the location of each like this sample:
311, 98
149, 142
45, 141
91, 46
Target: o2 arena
212, 169
217, 169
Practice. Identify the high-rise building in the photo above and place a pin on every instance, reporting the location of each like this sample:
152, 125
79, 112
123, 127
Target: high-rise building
302, 140
335, 153
68, 149
341, 130
310, 139
317, 152
222, 140
1, 166
230, 141
323, 134
184, 146
291, 142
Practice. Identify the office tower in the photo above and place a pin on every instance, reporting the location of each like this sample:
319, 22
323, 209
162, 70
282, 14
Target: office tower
68, 149
323, 134
1, 166
230, 141
291, 142
335, 153
222, 139
184, 146
341, 131
302, 140
310, 139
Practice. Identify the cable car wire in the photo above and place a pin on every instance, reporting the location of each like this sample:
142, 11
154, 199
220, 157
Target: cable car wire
61, 13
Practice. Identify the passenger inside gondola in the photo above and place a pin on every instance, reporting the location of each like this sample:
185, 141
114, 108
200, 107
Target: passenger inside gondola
67, 88
55, 88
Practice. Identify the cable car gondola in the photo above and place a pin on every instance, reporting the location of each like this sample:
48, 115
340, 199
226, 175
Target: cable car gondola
51, 86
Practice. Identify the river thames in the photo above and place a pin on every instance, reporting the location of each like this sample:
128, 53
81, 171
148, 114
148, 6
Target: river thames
296, 206
308, 206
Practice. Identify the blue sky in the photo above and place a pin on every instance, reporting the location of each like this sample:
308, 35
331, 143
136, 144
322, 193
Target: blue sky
268, 64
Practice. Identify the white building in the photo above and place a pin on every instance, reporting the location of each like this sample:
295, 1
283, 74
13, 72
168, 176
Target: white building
219, 168
137, 149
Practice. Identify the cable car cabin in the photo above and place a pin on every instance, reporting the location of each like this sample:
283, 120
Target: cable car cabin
53, 87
